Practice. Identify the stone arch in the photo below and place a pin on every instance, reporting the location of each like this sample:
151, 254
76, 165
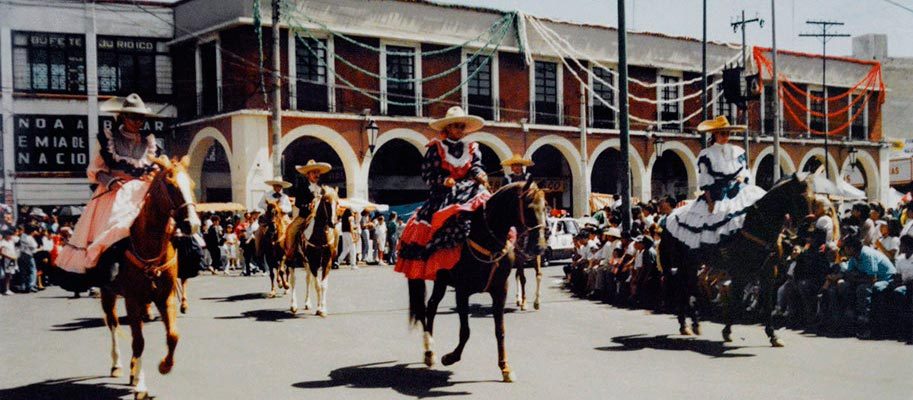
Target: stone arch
786, 163
572, 157
869, 169
641, 186
199, 146
408, 135
340, 145
493, 142
688, 158
818, 152
393, 173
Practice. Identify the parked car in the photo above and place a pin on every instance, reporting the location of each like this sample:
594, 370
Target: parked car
560, 239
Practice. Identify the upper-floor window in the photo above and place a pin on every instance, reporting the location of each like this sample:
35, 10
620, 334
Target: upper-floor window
670, 107
859, 126
311, 73
127, 65
816, 106
480, 96
768, 110
546, 83
603, 115
725, 108
49, 62
401, 72
209, 90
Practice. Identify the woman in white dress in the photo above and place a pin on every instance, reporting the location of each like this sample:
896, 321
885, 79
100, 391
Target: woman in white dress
380, 236
231, 247
727, 193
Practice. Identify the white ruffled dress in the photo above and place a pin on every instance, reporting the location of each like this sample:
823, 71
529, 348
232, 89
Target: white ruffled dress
719, 167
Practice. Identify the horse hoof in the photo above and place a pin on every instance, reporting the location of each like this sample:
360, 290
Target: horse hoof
508, 376
697, 329
165, 368
449, 359
536, 306
141, 396
519, 302
293, 310
132, 381
776, 342
429, 359
184, 308
271, 294
116, 372
307, 307
321, 313
685, 331
523, 307
727, 337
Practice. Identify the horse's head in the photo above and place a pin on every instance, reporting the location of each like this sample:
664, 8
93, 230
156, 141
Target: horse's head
176, 190
792, 198
522, 205
329, 203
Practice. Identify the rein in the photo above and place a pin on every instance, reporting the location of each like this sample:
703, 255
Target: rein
154, 266
504, 246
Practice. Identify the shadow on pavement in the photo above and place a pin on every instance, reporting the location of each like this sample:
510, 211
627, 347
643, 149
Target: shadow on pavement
479, 311
235, 298
263, 315
664, 342
418, 382
84, 323
68, 388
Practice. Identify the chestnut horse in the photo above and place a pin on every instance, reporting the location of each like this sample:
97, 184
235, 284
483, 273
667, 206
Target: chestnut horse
316, 250
148, 271
269, 241
484, 266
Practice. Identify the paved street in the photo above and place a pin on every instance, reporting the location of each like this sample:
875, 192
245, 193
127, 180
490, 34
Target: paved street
236, 344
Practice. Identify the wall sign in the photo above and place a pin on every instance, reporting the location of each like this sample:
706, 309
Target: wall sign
160, 127
901, 171
51, 143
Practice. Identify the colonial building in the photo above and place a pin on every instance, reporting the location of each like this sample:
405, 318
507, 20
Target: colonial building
58, 60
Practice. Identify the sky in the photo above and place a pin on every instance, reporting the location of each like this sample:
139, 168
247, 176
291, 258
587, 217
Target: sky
683, 18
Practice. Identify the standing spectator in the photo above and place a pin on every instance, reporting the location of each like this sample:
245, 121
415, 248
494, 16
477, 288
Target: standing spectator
380, 239
392, 238
889, 243
8, 260
213, 239
231, 248
248, 245
365, 225
348, 239
28, 246
53, 225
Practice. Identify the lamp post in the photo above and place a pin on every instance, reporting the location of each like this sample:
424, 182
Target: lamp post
658, 147
371, 130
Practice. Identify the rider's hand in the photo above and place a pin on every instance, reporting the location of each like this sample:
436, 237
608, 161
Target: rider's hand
449, 182
115, 183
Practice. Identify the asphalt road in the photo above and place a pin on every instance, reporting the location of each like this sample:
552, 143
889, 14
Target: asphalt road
237, 344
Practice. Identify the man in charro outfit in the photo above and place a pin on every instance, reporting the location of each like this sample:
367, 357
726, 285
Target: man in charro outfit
305, 197
452, 168
518, 166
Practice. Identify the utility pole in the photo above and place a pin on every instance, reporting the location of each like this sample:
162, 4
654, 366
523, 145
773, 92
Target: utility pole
277, 91
776, 91
583, 150
736, 26
825, 36
704, 73
623, 118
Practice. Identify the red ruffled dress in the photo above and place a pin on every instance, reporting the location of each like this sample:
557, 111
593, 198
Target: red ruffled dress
433, 238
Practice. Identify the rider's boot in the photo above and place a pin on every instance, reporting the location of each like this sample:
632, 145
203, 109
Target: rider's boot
108, 267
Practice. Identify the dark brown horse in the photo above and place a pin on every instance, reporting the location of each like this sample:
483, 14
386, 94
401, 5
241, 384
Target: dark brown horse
745, 256
316, 251
148, 272
269, 241
524, 262
484, 266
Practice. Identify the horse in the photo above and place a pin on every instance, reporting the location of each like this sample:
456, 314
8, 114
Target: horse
484, 265
522, 263
148, 271
744, 256
316, 250
269, 246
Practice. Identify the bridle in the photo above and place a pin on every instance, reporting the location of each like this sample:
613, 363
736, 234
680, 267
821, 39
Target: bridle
154, 266
325, 206
487, 256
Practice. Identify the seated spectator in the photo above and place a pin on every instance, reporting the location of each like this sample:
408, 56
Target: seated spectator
867, 271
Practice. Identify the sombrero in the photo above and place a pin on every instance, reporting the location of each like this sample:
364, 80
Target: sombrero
131, 104
320, 167
456, 115
517, 160
719, 124
278, 181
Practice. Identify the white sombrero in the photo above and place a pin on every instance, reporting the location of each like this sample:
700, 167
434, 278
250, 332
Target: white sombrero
456, 115
278, 181
719, 124
320, 167
131, 104
517, 160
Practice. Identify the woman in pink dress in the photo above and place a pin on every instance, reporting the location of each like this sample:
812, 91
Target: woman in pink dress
121, 173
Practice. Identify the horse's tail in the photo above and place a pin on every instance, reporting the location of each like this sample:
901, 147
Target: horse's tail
416, 301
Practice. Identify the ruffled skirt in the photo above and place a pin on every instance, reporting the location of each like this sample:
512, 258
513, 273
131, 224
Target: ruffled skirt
694, 225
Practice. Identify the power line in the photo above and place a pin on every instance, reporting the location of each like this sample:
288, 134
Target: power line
909, 9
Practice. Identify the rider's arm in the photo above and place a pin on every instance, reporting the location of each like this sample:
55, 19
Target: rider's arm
99, 173
285, 205
432, 173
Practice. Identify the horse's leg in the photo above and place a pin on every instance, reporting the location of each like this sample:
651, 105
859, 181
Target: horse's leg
293, 307
498, 298
683, 299
731, 302
316, 282
169, 318
769, 292
271, 265
184, 304
462, 303
538, 300
307, 290
137, 377
521, 285
322, 309
693, 307
440, 288
109, 307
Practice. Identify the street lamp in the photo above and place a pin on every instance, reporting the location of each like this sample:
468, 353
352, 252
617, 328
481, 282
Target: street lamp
852, 156
658, 146
371, 130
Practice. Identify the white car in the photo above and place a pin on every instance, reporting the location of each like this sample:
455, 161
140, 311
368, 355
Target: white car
560, 239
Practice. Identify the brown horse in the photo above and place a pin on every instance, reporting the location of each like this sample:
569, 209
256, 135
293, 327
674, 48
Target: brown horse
269, 240
148, 271
316, 251
484, 266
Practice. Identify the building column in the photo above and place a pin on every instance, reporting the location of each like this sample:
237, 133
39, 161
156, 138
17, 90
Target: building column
884, 174
249, 160
91, 80
6, 105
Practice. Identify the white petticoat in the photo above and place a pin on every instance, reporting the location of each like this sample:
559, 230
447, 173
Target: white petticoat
695, 226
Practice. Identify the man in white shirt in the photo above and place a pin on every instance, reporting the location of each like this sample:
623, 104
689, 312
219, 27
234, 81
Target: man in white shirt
277, 196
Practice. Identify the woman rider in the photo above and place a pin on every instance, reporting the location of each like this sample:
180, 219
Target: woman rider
723, 176
452, 168
121, 172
